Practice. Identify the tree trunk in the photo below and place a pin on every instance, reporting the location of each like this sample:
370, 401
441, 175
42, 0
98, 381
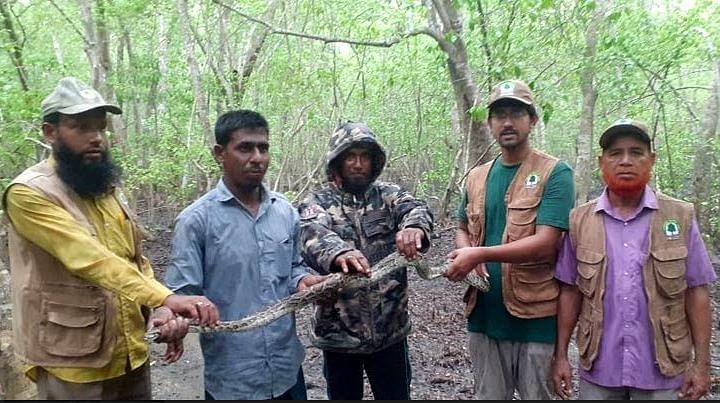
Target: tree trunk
202, 110
15, 48
584, 163
223, 57
446, 23
703, 165
247, 63
98, 53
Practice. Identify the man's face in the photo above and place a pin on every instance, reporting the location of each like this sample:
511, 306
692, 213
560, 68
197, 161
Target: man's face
356, 169
80, 149
245, 158
626, 165
82, 135
510, 125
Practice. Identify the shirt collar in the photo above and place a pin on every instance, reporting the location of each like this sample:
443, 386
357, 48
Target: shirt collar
649, 201
224, 194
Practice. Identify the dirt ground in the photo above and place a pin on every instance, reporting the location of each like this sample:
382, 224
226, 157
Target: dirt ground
438, 343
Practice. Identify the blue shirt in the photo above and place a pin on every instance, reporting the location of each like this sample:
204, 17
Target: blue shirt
243, 264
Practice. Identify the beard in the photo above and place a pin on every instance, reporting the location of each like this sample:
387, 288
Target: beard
87, 179
356, 185
626, 187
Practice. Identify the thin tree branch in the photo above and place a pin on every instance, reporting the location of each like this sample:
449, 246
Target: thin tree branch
38, 142
381, 43
484, 153
69, 21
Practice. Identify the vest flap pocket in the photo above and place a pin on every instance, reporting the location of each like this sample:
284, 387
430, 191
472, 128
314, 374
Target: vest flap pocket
72, 316
669, 254
588, 256
677, 338
534, 284
525, 203
675, 329
670, 270
69, 330
588, 267
523, 211
584, 332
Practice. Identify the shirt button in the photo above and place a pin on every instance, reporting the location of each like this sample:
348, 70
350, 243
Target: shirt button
625, 223
626, 350
626, 273
624, 298
625, 245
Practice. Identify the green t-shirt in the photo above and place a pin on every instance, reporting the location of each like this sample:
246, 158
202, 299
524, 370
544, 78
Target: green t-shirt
490, 315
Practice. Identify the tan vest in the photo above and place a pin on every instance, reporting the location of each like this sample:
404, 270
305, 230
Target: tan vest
59, 319
663, 278
529, 289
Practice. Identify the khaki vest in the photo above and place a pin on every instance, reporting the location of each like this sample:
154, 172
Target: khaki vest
59, 319
663, 278
529, 289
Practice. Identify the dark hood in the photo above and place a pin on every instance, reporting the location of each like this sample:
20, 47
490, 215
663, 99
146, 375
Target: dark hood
351, 134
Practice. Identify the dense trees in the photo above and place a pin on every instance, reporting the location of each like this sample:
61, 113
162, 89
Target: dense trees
417, 71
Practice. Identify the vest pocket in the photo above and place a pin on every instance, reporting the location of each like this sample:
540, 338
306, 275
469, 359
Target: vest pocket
670, 270
68, 330
677, 338
583, 335
588, 267
521, 215
534, 283
474, 223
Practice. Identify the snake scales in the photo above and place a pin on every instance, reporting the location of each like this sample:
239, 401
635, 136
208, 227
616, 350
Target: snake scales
334, 282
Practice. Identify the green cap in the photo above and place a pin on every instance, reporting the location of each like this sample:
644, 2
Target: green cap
72, 96
627, 127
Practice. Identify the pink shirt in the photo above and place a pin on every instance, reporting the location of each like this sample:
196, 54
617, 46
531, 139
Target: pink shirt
627, 355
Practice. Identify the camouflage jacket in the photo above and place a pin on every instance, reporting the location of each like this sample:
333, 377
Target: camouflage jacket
333, 222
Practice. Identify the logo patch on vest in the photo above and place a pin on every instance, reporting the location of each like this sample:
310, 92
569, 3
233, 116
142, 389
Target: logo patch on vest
532, 180
671, 228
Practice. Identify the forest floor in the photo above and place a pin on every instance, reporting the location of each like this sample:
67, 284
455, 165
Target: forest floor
438, 342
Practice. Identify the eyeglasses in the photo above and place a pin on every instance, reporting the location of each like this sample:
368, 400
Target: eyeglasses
514, 114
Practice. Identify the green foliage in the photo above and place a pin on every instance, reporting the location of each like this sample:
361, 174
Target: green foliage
653, 63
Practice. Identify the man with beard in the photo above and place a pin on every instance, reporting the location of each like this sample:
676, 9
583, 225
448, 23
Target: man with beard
635, 274
238, 245
81, 286
511, 218
349, 225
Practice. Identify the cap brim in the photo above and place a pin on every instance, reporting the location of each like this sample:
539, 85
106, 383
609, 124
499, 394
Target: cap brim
616, 130
75, 109
524, 101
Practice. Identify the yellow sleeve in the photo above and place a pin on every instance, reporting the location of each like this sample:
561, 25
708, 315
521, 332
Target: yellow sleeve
55, 231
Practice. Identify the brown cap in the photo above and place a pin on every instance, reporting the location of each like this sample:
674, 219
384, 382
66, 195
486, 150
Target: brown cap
626, 127
512, 89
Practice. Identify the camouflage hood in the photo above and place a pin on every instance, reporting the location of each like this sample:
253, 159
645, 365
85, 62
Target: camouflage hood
352, 134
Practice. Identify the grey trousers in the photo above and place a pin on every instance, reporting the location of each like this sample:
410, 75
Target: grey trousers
591, 391
131, 386
501, 367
